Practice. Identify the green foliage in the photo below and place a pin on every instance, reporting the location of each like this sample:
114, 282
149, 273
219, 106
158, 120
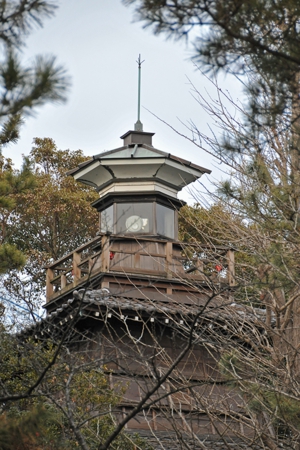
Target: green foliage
25, 88
260, 147
10, 258
262, 389
72, 403
204, 225
230, 363
22, 90
219, 225
12, 183
260, 39
56, 215
18, 18
48, 215
24, 431
93, 404
246, 36
283, 408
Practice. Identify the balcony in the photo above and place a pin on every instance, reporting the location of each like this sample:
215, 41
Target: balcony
145, 256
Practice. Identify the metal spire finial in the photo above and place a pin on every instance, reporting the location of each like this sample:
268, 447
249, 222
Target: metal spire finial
138, 125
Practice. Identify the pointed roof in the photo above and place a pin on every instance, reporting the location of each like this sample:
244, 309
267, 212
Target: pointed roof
137, 162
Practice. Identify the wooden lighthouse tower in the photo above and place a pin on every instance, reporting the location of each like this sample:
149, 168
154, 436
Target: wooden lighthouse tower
149, 303
139, 290
137, 248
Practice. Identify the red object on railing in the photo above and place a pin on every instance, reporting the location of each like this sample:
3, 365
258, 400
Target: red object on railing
218, 267
111, 255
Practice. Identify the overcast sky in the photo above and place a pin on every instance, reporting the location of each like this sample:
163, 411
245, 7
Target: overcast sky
98, 43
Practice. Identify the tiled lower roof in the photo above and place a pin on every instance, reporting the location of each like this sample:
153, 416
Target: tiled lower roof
100, 304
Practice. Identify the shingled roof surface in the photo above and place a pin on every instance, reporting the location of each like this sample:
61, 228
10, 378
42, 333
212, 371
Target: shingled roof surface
100, 304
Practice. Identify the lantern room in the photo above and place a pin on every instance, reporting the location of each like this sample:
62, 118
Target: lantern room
138, 187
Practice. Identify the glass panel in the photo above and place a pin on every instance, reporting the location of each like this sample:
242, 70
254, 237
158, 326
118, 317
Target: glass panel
107, 220
134, 218
165, 221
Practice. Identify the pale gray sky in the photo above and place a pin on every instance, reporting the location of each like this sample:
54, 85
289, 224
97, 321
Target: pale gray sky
99, 44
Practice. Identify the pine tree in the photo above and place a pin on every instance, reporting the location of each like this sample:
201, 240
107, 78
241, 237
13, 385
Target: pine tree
244, 37
259, 41
22, 90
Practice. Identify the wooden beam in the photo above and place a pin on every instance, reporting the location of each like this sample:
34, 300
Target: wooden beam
105, 253
105, 284
49, 285
77, 250
63, 281
230, 268
169, 258
76, 268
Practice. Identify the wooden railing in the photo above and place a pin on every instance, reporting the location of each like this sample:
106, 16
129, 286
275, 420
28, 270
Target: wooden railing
147, 256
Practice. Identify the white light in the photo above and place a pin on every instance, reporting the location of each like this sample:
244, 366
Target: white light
136, 318
166, 320
97, 314
109, 315
152, 319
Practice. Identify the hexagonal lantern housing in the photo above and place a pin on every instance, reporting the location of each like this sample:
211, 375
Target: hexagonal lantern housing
138, 187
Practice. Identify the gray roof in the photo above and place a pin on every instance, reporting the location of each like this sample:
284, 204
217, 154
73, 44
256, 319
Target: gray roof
100, 304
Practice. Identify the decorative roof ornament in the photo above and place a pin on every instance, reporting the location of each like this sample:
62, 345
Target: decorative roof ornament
138, 126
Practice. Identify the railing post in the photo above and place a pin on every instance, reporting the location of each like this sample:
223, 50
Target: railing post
76, 268
230, 268
200, 268
49, 285
63, 281
105, 253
